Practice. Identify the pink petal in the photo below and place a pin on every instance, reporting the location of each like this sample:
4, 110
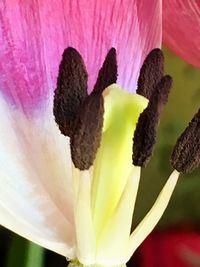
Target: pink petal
181, 28
34, 34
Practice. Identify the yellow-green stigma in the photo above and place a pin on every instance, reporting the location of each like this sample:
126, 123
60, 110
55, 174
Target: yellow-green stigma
113, 163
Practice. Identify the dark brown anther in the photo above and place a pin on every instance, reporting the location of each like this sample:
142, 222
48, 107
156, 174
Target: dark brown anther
108, 73
146, 128
186, 153
87, 132
151, 73
71, 90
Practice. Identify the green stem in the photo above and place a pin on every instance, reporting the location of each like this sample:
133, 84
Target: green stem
35, 255
78, 264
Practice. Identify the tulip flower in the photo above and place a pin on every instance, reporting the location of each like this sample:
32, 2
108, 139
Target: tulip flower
72, 188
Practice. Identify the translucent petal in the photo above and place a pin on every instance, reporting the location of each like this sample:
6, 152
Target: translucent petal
154, 215
33, 35
35, 192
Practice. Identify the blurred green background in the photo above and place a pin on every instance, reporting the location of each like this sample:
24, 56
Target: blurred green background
184, 208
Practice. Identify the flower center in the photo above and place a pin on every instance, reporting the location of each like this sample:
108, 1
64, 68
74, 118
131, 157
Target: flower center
112, 133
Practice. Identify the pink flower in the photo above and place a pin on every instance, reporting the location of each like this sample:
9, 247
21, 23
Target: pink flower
36, 193
35, 163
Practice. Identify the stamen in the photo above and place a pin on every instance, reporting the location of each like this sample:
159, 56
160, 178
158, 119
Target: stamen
145, 133
108, 73
71, 90
151, 73
78, 115
86, 136
186, 153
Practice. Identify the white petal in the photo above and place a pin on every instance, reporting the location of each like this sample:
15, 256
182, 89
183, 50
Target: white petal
44, 233
35, 178
154, 215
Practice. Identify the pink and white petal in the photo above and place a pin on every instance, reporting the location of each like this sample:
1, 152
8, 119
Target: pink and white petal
34, 34
181, 28
35, 177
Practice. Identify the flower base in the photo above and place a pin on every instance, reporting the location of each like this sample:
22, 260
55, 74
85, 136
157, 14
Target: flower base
78, 264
